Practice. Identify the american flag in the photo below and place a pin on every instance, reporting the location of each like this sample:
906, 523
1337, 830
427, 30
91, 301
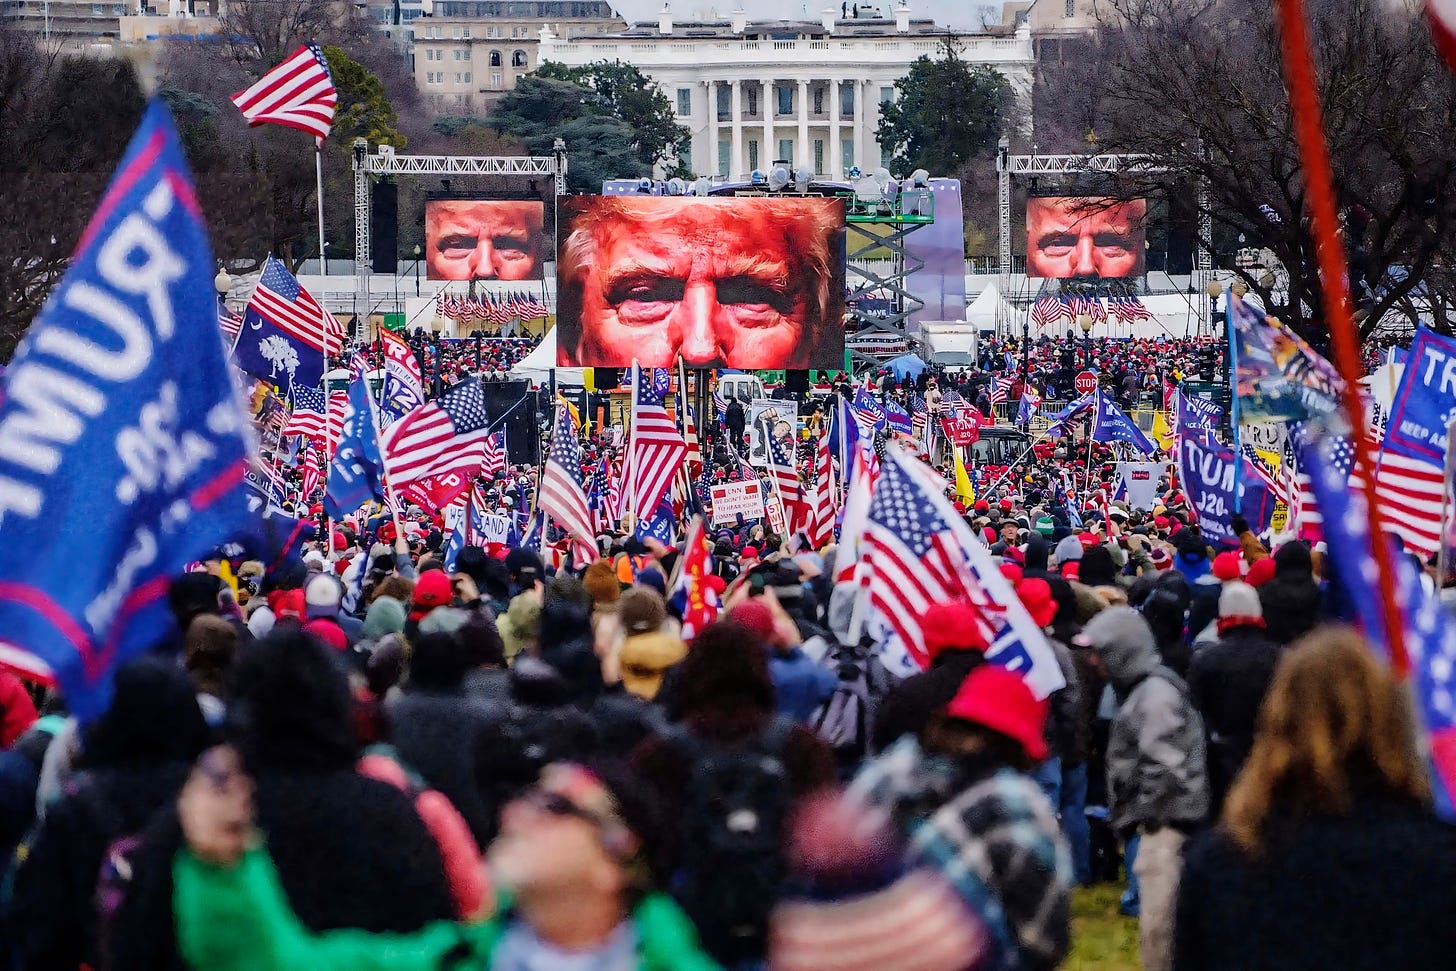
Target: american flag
298, 93
229, 322
429, 440
308, 418
1429, 634
820, 524
1047, 310
1000, 388
783, 480
1129, 308
563, 491
655, 448
1096, 309
1266, 475
313, 472
494, 459
1409, 490
918, 552
283, 302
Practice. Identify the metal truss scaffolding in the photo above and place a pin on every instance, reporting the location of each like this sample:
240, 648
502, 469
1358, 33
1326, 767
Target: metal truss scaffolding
386, 162
870, 231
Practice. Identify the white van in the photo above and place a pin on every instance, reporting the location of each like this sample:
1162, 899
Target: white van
741, 385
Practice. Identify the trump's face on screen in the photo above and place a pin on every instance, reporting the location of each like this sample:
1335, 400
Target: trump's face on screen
747, 283
484, 239
1075, 237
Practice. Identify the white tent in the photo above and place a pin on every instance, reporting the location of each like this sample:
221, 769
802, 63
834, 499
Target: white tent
989, 310
538, 365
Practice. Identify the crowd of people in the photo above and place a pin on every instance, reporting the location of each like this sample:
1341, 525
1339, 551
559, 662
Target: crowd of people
511, 768
356, 759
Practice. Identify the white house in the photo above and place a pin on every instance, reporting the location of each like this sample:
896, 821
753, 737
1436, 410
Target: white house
753, 92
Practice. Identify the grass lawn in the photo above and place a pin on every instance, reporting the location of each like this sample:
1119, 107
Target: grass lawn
1102, 939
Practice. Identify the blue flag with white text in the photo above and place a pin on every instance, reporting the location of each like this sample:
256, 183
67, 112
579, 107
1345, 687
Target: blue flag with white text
1111, 424
357, 472
122, 436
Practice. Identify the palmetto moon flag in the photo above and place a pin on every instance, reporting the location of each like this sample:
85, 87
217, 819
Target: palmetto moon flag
285, 332
120, 418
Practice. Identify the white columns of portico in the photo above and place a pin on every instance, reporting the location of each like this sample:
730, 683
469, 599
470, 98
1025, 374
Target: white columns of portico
735, 105
801, 144
836, 144
768, 149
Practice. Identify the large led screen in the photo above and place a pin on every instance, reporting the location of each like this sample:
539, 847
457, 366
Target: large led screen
484, 239
753, 283
1069, 237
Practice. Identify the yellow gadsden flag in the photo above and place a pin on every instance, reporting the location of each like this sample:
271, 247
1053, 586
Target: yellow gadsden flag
965, 492
1163, 431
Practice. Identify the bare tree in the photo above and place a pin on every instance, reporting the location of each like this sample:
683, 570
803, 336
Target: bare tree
1197, 83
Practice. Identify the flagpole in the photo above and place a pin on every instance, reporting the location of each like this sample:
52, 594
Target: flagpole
629, 511
1304, 104
1443, 551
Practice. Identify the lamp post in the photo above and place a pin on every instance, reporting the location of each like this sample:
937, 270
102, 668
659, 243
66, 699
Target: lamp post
1084, 321
223, 284
418, 253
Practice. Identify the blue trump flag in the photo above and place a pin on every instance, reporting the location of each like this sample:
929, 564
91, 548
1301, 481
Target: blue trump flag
661, 525
1425, 400
357, 472
1428, 628
120, 421
1206, 469
898, 419
1111, 424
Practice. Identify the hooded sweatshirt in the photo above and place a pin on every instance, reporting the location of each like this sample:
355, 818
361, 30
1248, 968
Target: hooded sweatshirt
351, 851
1156, 762
134, 760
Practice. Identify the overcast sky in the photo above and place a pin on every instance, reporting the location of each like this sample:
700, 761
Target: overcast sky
963, 15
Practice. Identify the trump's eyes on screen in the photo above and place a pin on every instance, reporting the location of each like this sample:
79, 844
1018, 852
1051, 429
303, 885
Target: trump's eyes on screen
458, 246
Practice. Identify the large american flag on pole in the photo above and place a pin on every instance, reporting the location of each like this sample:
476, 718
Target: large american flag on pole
431, 439
917, 552
563, 489
655, 447
298, 93
1409, 490
1000, 388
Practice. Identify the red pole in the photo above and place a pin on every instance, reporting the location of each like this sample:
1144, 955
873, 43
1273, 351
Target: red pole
1304, 103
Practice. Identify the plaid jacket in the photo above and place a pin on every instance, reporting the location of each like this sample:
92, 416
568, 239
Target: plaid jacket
992, 835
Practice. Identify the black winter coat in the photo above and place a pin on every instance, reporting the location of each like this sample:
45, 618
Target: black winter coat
1227, 681
1370, 891
909, 705
350, 851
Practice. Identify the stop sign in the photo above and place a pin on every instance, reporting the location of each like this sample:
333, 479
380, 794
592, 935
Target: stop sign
1085, 382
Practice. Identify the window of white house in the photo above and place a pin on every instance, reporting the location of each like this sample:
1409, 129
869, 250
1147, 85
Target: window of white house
684, 102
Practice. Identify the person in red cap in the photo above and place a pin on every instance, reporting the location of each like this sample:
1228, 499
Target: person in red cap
433, 589
955, 643
977, 818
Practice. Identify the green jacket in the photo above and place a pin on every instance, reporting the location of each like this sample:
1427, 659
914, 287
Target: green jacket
238, 919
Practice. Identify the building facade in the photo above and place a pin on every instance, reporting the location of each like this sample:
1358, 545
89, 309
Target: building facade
803, 92
467, 53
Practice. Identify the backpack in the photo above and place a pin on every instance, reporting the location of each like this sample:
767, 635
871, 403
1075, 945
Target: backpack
117, 867
733, 865
844, 721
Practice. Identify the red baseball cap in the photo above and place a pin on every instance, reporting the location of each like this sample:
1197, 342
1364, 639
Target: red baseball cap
1260, 572
1035, 595
1228, 565
952, 625
995, 698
